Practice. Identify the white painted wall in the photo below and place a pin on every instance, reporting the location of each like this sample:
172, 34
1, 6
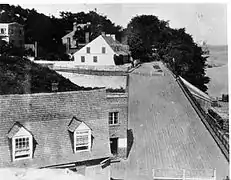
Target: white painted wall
122, 143
95, 50
4, 26
6, 37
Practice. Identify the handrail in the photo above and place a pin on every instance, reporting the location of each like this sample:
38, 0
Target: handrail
183, 174
208, 122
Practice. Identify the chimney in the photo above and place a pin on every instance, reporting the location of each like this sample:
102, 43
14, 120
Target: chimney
103, 33
54, 86
113, 36
87, 34
74, 26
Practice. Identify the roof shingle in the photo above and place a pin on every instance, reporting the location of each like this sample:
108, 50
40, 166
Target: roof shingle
116, 45
47, 116
74, 124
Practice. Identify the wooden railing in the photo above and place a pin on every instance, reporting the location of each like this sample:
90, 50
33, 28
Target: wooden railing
183, 174
209, 123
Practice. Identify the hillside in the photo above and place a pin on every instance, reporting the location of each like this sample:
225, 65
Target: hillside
21, 76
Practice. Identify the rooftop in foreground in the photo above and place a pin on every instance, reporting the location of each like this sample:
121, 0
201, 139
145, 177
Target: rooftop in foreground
165, 132
113, 82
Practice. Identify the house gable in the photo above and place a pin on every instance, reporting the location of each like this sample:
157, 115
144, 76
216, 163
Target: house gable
96, 47
97, 52
77, 124
83, 126
18, 130
22, 132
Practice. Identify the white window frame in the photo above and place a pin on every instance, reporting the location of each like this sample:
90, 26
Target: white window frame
113, 118
84, 132
95, 61
87, 50
3, 30
14, 150
82, 58
103, 50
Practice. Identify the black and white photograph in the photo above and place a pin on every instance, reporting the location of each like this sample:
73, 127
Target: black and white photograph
114, 91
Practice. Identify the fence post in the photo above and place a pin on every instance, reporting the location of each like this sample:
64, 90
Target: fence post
214, 174
153, 173
183, 174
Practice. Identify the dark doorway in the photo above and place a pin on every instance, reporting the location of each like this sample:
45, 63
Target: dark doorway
114, 145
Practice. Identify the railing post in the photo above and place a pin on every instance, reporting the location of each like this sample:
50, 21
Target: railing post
153, 173
183, 174
214, 174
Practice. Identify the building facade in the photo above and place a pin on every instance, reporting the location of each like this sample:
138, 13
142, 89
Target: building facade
101, 51
56, 130
71, 43
12, 33
118, 123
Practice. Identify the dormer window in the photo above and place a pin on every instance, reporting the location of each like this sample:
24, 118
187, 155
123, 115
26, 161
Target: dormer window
22, 147
21, 140
81, 135
82, 140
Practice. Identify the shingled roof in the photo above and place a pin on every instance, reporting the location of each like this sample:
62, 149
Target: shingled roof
117, 47
47, 116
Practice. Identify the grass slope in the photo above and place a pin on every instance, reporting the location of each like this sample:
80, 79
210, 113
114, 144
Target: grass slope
21, 76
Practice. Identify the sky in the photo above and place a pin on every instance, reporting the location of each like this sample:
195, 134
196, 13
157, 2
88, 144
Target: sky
205, 22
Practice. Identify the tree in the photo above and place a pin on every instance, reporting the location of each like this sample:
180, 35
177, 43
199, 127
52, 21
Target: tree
98, 24
4, 47
174, 46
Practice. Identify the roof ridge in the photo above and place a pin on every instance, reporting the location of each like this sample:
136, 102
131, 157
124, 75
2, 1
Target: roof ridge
53, 93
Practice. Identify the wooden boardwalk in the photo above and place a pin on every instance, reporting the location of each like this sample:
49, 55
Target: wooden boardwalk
164, 130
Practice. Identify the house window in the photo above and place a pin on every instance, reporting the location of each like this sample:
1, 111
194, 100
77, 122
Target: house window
82, 58
103, 50
20, 42
82, 140
3, 30
22, 147
94, 58
22, 142
113, 118
88, 50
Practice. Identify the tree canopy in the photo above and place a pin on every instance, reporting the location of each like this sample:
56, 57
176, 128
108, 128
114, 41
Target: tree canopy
49, 30
174, 46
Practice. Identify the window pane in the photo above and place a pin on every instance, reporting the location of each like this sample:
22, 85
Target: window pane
113, 117
82, 58
82, 132
81, 148
21, 144
103, 50
88, 49
82, 140
95, 58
